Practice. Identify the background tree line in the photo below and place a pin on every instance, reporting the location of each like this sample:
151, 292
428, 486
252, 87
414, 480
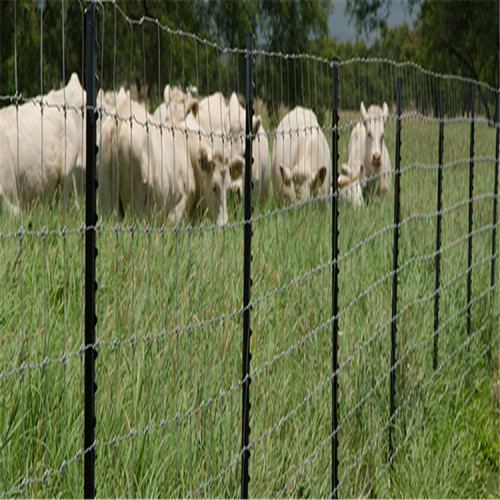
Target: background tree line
460, 37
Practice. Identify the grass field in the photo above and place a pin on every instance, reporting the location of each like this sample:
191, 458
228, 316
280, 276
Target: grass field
169, 336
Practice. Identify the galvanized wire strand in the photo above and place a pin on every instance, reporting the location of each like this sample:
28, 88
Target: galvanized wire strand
47, 474
21, 260
412, 65
268, 365
256, 218
455, 382
224, 317
117, 439
486, 292
359, 458
44, 258
407, 401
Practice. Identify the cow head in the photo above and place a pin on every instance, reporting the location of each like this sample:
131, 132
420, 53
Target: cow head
217, 174
350, 186
235, 125
374, 120
299, 185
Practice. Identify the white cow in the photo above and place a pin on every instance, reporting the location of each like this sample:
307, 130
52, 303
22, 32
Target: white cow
377, 162
235, 129
170, 171
107, 155
301, 160
8, 175
108, 100
211, 113
176, 106
350, 181
44, 150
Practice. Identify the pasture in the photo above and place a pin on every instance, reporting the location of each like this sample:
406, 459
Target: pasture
169, 336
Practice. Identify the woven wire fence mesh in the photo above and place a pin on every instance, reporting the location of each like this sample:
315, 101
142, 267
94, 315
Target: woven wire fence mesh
170, 270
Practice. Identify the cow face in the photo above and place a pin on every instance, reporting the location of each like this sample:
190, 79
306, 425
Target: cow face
349, 186
218, 172
374, 120
299, 185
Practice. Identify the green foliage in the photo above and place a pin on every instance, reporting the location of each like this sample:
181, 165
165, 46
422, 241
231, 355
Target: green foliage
288, 26
450, 37
462, 37
398, 43
143, 55
21, 28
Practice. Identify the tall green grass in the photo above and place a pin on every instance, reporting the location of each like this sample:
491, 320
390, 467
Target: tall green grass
169, 336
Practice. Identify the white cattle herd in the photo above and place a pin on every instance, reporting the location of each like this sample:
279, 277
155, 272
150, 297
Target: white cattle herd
185, 158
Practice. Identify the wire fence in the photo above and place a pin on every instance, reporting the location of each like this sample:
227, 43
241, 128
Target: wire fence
279, 288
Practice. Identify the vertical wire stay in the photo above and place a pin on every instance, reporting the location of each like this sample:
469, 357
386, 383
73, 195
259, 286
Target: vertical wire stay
90, 251
44, 253
65, 263
471, 206
25, 491
438, 229
495, 198
335, 272
395, 267
247, 281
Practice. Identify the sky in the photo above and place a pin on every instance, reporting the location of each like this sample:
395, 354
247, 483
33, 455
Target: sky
341, 28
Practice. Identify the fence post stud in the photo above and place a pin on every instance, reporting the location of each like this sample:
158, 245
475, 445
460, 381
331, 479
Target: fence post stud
90, 250
335, 272
471, 194
247, 228
495, 198
395, 267
438, 230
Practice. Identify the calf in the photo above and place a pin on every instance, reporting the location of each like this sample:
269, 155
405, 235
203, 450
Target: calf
350, 181
377, 162
301, 160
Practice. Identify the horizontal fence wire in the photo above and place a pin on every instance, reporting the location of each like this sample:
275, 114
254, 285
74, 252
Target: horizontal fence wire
169, 267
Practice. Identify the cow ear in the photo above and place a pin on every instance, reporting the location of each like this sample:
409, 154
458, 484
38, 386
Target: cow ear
345, 169
233, 101
166, 93
236, 168
256, 121
320, 177
343, 181
362, 108
285, 175
193, 107
385, 110
206, 160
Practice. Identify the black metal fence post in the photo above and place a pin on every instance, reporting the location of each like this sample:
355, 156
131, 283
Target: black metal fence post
471, 194
495, 199
438, 229
247, 281
335, 288
90, 250
395, 267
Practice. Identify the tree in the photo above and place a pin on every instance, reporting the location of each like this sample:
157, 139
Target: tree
289, 25
142, 53
458, 37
